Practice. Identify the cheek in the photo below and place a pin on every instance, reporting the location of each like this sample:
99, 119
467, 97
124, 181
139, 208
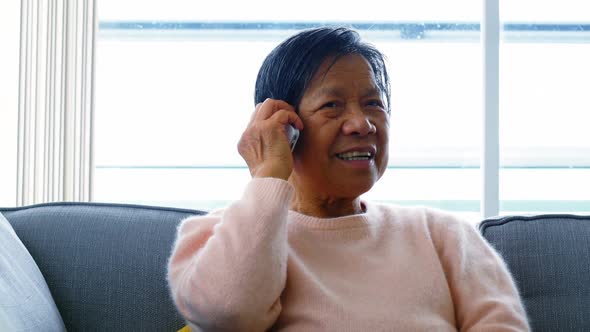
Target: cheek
384, 161
384, 142
383, 128
321, 135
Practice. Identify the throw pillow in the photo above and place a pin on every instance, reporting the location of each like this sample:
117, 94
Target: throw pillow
25, 300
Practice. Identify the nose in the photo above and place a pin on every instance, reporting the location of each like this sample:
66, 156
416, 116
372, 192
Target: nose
358, 123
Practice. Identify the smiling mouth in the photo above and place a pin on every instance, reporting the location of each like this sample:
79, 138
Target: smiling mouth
354, 155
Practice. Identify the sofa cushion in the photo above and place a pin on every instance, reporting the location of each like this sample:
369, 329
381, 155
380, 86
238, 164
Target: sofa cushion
549, 257
25, 301
105, 264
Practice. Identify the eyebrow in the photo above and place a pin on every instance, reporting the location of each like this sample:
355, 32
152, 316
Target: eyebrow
337, 92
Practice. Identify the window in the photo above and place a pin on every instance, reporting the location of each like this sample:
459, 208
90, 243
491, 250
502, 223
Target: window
175, 90
544, 140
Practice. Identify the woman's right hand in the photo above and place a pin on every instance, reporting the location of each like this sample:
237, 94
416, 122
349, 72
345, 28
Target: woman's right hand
264, 144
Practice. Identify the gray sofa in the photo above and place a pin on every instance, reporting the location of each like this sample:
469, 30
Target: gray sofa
549, 256
105, 263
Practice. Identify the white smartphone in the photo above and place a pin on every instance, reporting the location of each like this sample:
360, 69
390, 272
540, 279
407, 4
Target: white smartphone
292, 134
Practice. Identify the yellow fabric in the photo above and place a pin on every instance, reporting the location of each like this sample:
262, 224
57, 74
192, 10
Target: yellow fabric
185, 329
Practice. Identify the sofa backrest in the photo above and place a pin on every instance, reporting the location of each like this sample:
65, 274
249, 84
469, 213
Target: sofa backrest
549, 257
105, 264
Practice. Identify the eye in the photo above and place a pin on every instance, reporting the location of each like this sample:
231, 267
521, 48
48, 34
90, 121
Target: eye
330, 104
375, 103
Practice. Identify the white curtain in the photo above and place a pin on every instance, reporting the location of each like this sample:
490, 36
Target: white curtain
56, 101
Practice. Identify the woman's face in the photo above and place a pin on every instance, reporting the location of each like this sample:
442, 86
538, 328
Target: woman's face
343, 147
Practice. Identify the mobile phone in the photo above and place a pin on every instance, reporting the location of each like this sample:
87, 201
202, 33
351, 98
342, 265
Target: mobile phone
292, 135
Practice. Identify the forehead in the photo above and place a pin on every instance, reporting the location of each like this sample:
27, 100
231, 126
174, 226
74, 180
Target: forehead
348, 71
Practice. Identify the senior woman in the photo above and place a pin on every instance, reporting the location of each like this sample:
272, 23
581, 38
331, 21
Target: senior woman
301, 251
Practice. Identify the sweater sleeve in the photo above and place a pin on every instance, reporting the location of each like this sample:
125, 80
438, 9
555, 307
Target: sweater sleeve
228, 269
483, 291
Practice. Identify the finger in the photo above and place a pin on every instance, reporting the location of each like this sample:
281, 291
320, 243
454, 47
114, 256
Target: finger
270, 106
256, 109
285, 117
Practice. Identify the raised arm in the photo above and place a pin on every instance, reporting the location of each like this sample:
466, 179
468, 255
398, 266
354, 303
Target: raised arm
228, 269
483, 291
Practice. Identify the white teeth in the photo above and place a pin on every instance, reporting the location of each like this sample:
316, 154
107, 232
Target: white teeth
354, 155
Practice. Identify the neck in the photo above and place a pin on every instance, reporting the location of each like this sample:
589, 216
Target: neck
326, 207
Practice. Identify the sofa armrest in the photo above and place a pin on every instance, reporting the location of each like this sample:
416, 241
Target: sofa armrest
105, 264
549, 257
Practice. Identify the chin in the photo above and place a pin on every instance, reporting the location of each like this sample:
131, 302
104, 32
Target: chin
355, 188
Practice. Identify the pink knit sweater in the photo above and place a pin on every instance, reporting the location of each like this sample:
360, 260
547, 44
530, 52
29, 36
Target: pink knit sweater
256, 265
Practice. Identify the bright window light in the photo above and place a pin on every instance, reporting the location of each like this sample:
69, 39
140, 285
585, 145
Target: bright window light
175, 91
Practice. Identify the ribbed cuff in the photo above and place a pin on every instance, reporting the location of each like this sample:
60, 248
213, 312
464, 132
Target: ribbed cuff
275, 193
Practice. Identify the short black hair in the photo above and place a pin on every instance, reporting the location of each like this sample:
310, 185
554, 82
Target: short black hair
288, 69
